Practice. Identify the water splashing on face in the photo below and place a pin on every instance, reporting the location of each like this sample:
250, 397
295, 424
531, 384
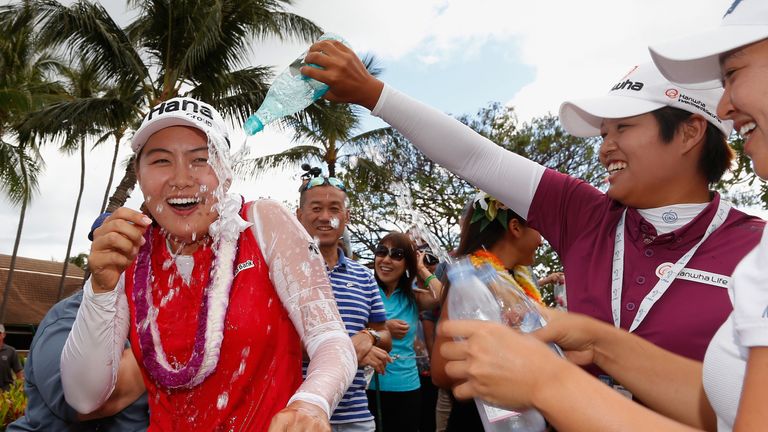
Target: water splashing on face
159, 208
334, 222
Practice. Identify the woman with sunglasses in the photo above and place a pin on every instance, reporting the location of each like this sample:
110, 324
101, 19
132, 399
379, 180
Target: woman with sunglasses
670, 241
397, 390
219, 297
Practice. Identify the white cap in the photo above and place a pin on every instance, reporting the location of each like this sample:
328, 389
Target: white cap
696, 59
180, 111
640, 91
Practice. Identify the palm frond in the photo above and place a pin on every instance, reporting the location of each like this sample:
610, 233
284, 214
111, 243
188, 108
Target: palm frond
292, 157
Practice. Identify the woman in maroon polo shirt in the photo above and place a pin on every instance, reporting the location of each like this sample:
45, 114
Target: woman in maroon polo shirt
639, 256
728, 390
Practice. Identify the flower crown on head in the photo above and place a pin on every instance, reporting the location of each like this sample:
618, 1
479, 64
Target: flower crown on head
488, 209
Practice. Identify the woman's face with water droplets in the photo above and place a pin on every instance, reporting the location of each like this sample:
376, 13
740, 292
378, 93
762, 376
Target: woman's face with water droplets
178, 183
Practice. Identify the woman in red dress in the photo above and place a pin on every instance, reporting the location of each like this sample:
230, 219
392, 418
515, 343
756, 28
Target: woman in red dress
219, 297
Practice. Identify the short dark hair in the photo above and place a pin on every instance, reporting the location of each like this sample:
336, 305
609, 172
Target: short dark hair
402, 241
716, 155
303, 190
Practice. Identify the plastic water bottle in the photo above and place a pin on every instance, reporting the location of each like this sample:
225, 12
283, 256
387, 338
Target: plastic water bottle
470, 297
290, 93
517, 309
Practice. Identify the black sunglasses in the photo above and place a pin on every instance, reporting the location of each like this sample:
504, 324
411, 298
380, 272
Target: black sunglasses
396, 254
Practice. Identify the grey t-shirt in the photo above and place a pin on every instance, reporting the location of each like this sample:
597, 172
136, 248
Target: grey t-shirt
9, 365
46, 408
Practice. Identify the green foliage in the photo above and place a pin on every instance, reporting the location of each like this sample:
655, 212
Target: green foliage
741, 185
81, 260
177, 47
13, 402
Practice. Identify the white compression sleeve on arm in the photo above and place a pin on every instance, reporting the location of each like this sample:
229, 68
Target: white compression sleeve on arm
92, 352
509, 177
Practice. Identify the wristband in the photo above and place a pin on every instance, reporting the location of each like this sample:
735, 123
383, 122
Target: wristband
428, 280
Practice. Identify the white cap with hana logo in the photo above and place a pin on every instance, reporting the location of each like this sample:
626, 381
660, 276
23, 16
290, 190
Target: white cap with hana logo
180, 111
640, 91
696, 59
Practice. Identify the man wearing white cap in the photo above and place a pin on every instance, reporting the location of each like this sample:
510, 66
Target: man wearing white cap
219, 297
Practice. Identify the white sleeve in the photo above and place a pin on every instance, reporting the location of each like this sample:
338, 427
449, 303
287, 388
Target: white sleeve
91, 354
750, 296
297, 271
509, 177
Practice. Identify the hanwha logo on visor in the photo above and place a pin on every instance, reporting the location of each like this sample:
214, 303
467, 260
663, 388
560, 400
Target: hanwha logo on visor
672, 93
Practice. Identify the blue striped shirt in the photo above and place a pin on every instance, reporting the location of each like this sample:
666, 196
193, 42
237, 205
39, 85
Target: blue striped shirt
359, 302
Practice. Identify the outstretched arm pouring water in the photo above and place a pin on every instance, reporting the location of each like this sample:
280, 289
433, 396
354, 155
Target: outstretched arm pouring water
441, 137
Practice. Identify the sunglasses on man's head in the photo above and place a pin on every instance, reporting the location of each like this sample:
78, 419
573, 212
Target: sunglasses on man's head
319, 181
396, 254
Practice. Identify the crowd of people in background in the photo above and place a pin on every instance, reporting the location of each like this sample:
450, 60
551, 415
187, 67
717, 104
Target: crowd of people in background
207, 312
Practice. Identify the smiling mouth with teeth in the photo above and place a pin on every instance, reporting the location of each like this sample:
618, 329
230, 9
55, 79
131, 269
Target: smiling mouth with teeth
183, 203
747, 129
615, 167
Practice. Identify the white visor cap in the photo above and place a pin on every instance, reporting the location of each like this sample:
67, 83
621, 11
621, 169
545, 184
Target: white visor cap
695, 60
640, 91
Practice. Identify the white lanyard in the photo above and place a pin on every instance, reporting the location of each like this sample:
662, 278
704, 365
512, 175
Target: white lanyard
665, 281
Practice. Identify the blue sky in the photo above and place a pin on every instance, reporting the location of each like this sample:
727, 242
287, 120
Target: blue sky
459, 85
456, 55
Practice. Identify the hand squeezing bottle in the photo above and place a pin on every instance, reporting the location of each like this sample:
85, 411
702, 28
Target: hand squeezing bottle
469, 297
290, 93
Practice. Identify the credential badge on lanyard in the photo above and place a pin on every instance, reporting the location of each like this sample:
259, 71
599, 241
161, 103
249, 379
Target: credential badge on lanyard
617, 273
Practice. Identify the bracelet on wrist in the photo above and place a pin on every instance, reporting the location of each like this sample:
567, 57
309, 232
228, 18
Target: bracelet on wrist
428, 280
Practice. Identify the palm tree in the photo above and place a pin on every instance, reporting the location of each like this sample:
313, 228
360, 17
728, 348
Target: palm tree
23, 87
83, 81
176, 47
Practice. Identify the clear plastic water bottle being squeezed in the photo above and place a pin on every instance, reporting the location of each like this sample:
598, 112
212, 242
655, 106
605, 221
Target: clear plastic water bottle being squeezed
470, 297
290, 93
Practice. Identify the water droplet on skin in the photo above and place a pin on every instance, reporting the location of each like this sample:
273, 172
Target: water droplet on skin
203, 188
305, 268
334, 222
221, 402
194, 236
159, 208
148, 199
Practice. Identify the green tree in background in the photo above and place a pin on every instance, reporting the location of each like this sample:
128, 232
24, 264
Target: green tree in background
179, 47
25, 85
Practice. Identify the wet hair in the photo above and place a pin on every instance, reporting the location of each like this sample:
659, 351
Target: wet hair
402, 241
472, 238
716, 155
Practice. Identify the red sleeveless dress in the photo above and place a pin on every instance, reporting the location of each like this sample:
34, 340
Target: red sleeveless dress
259, 367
